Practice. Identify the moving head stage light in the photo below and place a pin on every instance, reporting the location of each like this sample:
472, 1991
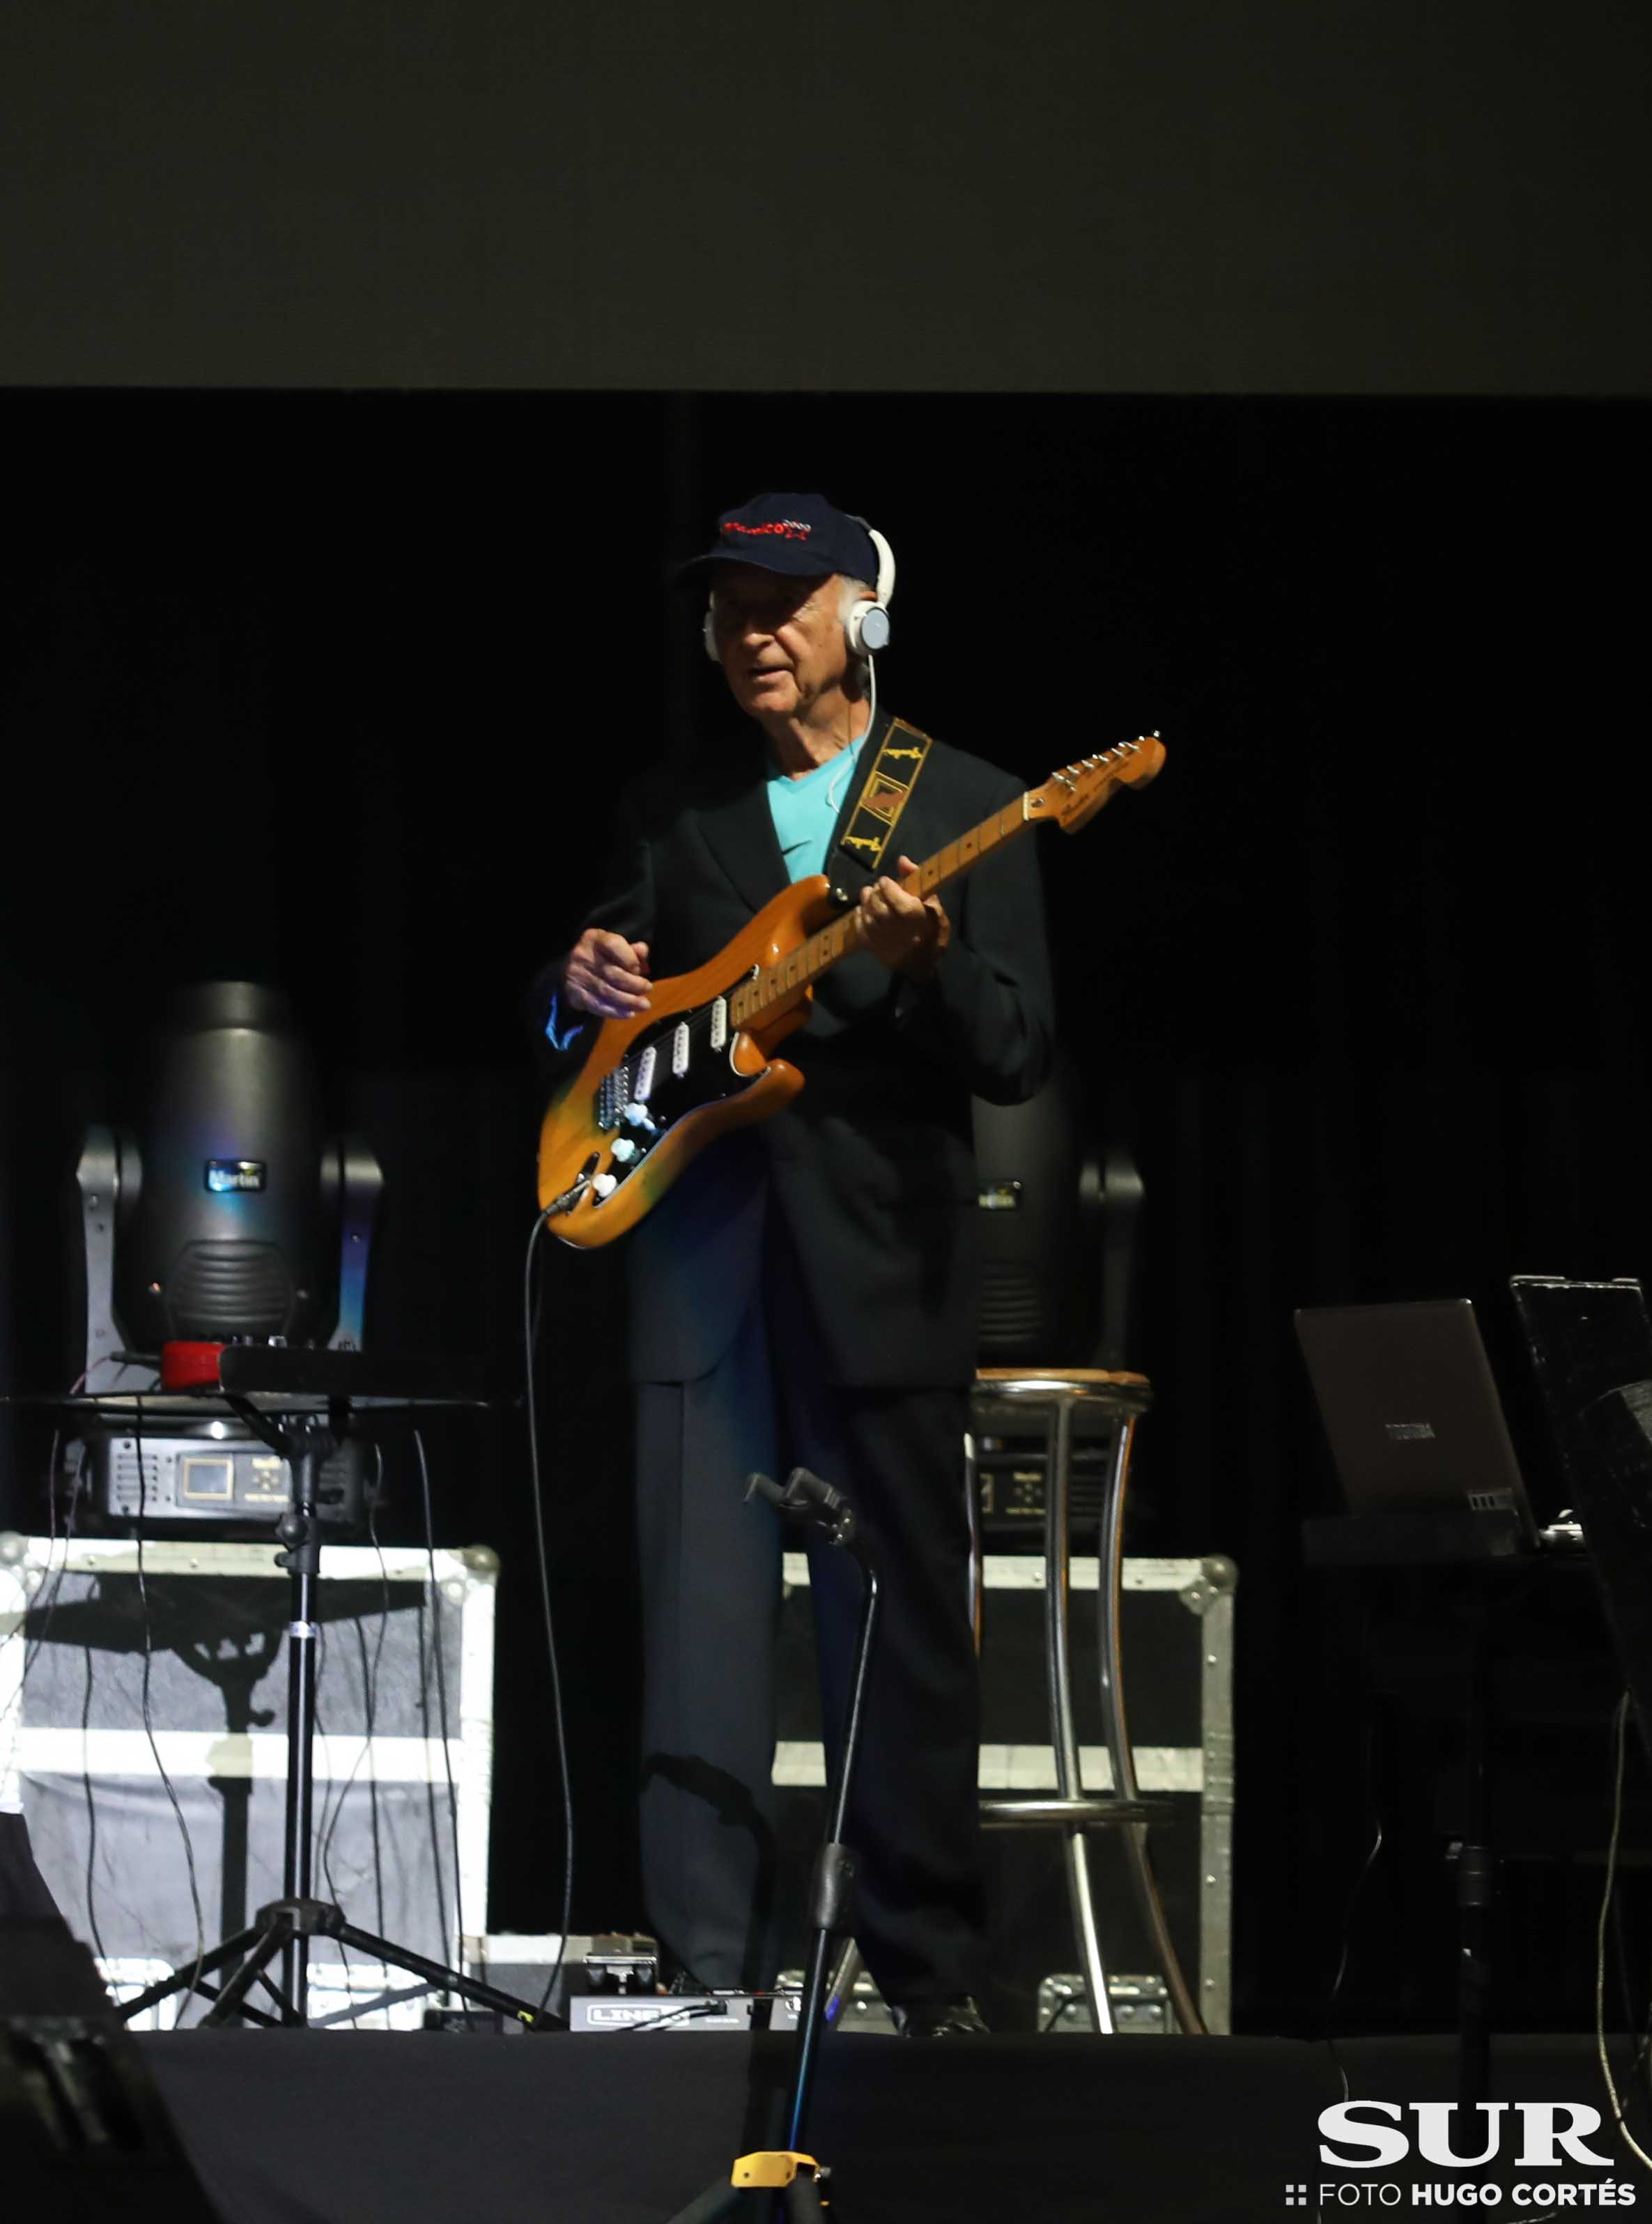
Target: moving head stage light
225, 1215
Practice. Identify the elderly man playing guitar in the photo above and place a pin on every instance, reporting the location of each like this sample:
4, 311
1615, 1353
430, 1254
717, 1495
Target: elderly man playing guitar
804, 1290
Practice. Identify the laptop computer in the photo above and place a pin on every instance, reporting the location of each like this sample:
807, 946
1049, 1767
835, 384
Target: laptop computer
1416, 1428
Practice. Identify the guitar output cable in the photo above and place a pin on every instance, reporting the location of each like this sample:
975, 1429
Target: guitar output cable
530, 1340
441, 1701
370, 1667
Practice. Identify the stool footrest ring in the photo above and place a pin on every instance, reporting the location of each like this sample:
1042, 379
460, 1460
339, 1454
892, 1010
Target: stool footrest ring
1099, 1812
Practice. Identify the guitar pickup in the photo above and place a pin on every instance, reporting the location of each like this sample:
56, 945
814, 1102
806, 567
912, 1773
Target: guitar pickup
645, 1075
719, 1022
680, 1049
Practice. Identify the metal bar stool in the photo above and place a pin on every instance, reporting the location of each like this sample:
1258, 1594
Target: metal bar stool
1003, 1397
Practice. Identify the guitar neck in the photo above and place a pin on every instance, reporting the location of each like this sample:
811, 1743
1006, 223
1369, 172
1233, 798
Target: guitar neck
775, 987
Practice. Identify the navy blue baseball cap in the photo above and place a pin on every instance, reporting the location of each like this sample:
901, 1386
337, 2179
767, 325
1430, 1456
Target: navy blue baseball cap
800, 534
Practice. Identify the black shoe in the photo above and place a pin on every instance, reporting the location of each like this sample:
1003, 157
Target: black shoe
940, 2019
684, 1984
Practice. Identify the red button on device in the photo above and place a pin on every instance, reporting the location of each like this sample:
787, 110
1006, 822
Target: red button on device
190, 1366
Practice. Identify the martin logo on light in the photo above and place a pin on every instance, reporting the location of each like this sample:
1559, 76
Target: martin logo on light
226, 1175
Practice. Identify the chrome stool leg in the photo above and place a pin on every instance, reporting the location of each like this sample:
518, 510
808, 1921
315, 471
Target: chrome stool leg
1054, 1394
1108, 1585
1064, 1730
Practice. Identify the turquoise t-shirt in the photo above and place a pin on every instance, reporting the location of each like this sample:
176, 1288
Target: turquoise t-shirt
804, 809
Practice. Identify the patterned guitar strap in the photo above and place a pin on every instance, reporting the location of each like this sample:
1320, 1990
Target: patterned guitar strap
884, 796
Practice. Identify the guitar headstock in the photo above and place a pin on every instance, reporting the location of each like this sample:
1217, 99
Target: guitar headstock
1078, 791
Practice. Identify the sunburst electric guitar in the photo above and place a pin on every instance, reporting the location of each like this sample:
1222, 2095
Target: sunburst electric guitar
657, 1087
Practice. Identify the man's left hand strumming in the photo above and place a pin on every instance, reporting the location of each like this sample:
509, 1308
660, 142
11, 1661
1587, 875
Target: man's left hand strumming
908, 932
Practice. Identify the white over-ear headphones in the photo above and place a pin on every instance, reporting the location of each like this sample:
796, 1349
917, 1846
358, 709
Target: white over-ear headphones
866, 625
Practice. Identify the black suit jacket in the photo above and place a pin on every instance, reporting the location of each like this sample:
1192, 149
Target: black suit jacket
870, 1167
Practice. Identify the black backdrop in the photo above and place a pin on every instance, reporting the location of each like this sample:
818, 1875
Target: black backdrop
336, 690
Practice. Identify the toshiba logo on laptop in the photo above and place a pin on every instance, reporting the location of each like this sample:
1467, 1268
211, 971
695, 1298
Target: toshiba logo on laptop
1408, 1433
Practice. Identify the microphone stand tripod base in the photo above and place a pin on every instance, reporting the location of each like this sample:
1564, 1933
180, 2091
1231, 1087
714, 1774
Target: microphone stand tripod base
277, 1928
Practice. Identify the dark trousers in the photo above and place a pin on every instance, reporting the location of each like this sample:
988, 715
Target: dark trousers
711, 1566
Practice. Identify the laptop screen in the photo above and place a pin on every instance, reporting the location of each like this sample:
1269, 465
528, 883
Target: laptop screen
1412, 1409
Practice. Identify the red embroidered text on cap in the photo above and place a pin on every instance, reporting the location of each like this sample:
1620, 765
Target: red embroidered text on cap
789, 527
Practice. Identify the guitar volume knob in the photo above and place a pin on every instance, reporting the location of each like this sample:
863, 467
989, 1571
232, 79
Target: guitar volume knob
604, 1186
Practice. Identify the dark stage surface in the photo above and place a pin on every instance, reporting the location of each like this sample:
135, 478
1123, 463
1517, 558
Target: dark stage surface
323, 2129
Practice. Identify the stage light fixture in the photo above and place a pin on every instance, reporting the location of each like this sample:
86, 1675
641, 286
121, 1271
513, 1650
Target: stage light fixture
224, 1212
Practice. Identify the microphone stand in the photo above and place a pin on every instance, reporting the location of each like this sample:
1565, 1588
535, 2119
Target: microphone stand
790, 2183
285, 1928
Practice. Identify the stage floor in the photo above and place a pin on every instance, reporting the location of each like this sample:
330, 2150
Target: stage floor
328, 2128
